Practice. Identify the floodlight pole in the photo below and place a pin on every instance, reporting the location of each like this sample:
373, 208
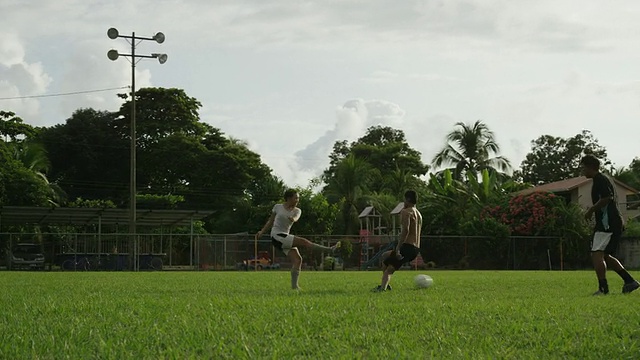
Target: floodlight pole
133, 171
112, 33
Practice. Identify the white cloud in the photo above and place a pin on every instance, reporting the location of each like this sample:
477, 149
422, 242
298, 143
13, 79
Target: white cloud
270, 72
87, 68
352, 121
19, 78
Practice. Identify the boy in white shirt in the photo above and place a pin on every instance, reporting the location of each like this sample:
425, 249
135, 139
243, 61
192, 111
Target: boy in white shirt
282, 218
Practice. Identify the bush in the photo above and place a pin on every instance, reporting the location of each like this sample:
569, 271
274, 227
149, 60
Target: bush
545, 214
328, 262
632, 228
526, 215
492, 249
346, 248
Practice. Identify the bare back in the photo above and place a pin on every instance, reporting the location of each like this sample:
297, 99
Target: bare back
411, 226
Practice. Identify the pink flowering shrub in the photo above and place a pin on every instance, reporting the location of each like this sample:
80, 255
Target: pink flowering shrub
527, 215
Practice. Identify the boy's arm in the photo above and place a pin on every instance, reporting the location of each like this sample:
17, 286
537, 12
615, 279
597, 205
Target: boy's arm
296, 215
604, 189
267, 225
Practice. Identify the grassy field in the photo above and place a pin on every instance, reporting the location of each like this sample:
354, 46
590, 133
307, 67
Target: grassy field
214, 315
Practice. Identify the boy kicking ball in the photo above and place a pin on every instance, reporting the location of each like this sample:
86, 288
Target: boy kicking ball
282, 218
409, 243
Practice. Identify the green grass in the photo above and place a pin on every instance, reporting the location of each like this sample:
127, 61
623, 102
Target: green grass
215, 315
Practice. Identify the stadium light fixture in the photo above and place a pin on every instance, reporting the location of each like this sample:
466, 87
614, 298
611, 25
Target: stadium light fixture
113, 55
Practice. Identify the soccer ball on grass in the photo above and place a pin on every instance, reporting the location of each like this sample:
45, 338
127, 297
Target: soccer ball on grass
423, 281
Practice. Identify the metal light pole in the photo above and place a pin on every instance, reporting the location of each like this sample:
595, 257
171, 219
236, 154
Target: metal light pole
113, 55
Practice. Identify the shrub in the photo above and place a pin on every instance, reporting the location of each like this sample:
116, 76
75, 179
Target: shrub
492, 249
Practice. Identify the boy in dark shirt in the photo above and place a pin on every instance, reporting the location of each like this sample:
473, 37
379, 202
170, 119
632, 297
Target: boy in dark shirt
608, 229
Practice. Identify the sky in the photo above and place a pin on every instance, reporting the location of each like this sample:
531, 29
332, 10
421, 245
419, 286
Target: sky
291, 77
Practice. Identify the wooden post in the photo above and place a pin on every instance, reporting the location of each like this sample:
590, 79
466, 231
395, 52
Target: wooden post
561, 257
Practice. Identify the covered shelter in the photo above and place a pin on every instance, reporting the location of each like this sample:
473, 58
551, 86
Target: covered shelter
98, 219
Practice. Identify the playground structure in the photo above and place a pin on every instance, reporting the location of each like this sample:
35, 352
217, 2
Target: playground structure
370, 233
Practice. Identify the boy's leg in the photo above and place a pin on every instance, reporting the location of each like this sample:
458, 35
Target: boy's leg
386, 276
390, 264
296, 266
599, 244
630, 284
600, 267
385, 255
302, 242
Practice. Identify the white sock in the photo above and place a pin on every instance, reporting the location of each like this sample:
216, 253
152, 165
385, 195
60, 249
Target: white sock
321, 247
295, 273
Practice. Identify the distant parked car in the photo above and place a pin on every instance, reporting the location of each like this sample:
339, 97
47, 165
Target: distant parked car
25, 256
263, 262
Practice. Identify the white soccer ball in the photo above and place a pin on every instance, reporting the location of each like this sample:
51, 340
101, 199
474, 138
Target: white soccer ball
423, 281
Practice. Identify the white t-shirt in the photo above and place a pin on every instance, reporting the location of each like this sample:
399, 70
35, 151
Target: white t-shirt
282, 223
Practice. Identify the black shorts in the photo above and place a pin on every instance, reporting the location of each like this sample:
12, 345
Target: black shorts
408, 252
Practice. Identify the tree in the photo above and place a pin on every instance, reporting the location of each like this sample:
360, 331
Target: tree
223, 174
160, 112
471, 148
33, 157
180, 155
12, 126
381, 162
89, 158
629, 175
350, 181
489, 185
168, 137
386, 150
446, 204
318, 215
250, 211
398, 181
181, 161
20, 186
555, 158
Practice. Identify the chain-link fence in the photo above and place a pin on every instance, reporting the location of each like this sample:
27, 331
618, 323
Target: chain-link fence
93, 251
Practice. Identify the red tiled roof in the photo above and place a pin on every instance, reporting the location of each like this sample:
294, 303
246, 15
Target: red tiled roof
568, 185
558, 186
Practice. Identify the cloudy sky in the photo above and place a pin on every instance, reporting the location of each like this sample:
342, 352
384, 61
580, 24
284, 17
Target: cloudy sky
291, 77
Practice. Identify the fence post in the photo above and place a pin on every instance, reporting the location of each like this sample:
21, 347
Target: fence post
191, 246
561, 257
513, 239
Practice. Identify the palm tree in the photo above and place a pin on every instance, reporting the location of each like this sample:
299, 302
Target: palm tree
471, 148
446, 203
398, 181
33, 156
349, 184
